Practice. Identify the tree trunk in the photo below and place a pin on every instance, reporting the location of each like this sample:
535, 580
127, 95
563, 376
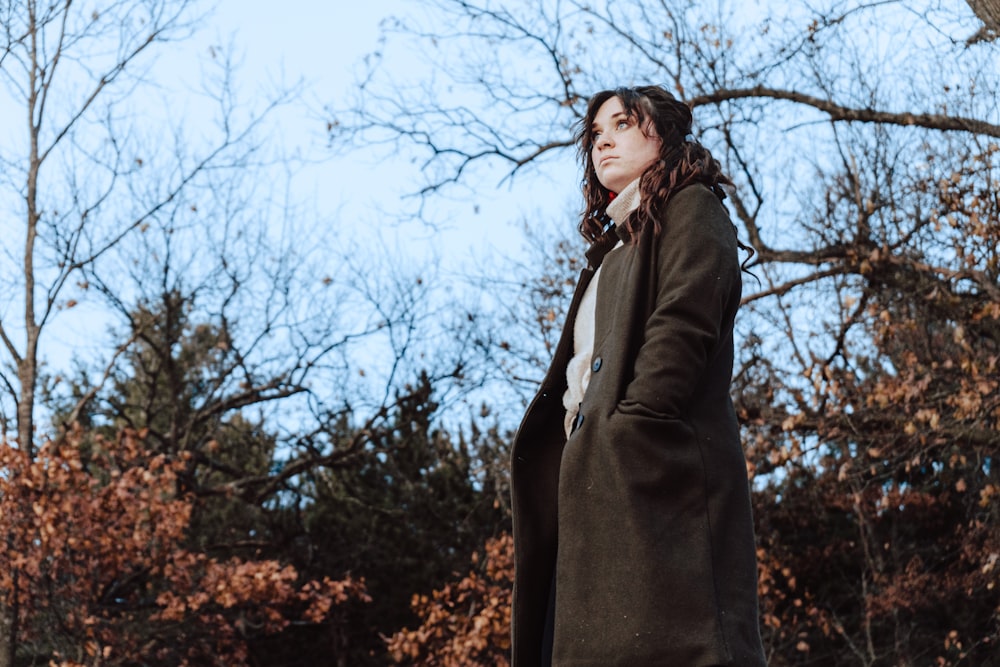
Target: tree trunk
28, 376
988, 11
8, 629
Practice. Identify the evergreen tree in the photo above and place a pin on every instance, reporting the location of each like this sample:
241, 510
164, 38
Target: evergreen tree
406, 513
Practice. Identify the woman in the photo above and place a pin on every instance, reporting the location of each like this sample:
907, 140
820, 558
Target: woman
633, 535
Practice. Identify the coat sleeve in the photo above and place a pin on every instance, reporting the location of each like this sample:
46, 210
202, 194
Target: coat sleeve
698, 287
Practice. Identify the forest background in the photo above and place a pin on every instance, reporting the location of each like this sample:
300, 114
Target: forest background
245, 426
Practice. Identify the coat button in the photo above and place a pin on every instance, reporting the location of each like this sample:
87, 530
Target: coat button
596, 366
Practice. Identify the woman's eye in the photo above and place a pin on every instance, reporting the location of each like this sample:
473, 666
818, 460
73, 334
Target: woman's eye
622, 124
594, 135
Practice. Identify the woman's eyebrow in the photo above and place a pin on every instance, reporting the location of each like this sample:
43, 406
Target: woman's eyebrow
614, 117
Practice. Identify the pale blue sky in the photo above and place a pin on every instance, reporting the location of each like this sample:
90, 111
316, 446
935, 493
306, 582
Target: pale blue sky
323, 43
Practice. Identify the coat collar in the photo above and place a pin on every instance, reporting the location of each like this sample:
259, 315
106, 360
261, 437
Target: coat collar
602, 246
620, 207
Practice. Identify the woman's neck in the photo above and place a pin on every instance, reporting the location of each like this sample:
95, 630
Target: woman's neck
625, 202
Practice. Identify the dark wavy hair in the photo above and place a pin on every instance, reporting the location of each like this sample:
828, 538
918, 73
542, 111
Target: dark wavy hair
682, 161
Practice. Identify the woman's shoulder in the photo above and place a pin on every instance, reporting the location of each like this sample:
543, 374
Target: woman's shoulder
696, 210
699, 197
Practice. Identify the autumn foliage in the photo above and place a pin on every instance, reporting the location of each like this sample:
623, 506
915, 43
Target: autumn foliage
97, 570
878, 492
465, 623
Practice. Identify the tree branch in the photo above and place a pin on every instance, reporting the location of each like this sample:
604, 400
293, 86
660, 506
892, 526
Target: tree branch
839, 112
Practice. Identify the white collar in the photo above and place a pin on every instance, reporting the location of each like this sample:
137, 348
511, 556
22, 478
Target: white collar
625, 202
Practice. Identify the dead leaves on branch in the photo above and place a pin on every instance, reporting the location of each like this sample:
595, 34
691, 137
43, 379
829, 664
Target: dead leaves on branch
94, 538
873, 452
466, 623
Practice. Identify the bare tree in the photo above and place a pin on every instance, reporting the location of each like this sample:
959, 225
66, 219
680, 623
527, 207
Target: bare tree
493, 110
81, 179
186, 240
65, 67
863, 141
777, 96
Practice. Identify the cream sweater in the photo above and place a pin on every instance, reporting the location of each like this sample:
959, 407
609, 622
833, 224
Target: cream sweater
578, 368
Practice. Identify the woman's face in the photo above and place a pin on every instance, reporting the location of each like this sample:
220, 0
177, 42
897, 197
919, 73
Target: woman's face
621, 150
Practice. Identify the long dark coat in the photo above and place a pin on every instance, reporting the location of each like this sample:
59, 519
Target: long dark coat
643, 515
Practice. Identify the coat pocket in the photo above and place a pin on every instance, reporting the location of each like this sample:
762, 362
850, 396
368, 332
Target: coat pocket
635, 572
648, 449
